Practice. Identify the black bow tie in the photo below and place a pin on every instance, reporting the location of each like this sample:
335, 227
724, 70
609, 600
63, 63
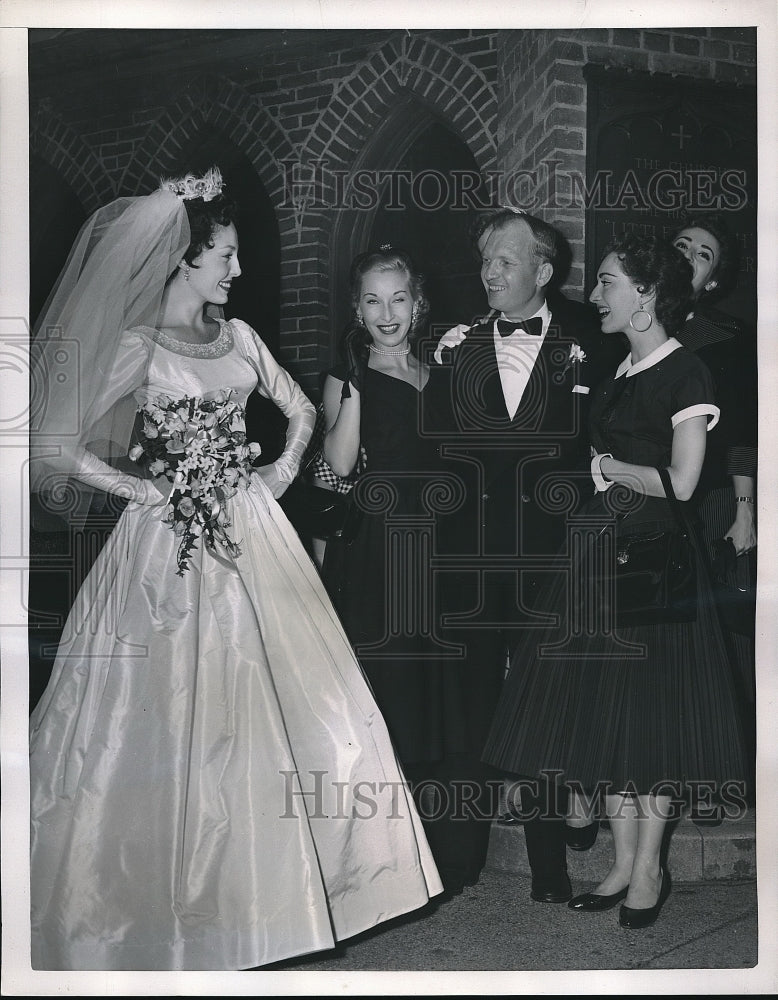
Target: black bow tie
532, 326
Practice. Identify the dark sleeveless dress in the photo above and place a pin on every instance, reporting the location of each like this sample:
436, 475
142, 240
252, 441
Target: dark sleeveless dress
382, 585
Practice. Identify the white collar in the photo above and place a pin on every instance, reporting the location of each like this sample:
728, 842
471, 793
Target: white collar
657, 355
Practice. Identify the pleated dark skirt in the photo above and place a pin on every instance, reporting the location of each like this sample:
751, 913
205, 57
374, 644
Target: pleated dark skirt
717, 514
631, 708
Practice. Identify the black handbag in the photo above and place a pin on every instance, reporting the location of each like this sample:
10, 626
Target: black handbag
317, 512
656, 571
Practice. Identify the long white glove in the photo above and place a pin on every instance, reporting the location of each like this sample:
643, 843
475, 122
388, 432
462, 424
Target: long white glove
270, 476
277, 384
90, 470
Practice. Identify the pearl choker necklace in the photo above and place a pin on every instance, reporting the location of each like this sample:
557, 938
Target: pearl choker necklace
394, 351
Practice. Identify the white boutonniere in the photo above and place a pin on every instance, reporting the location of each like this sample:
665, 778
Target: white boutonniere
576, 356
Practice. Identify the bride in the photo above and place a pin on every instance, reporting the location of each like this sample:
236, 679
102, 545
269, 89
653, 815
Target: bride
212, 784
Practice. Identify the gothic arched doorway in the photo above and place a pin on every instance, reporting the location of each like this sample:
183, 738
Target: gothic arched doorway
424, 200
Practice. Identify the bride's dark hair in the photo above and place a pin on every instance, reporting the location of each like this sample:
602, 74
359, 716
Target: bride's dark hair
204, 217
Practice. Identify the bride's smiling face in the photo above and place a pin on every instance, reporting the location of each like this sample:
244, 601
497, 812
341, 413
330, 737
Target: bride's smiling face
212, 272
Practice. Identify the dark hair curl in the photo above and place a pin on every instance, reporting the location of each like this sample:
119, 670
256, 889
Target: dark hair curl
725, 271
654, 264
204, 217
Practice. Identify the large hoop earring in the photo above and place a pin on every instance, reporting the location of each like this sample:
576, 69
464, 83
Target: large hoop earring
646, 315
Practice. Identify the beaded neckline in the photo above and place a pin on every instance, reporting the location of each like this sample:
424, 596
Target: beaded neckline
213, 349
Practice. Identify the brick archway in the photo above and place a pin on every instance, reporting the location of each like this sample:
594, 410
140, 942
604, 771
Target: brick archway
453, 88
213, 101
405, 81
63, 149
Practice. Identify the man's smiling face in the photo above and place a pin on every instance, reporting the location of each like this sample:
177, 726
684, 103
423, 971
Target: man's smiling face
512, 276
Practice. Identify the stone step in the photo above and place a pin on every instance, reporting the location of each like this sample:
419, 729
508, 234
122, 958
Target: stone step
694, 854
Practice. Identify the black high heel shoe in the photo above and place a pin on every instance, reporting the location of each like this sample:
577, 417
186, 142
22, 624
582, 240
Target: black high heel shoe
581, 838
636, 919
592, 902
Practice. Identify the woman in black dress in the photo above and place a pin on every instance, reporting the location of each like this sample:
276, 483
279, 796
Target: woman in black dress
726, 493
726, 489
382, 403
642, 713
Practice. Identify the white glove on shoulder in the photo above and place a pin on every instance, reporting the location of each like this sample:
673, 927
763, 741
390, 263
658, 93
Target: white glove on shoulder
451, 338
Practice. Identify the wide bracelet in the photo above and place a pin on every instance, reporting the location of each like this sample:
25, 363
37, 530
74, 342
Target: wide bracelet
600, 482
744, 499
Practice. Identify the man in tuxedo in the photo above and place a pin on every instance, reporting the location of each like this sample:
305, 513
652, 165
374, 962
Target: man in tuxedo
517, 385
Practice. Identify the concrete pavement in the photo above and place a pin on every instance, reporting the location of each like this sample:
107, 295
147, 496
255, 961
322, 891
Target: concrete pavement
706, 938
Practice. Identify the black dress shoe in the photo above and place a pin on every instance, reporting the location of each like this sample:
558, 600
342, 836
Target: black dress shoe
455, 879
581, 838
591, 902
646, 915
551, 888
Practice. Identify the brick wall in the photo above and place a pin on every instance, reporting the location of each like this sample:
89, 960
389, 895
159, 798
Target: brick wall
282, 104
544, 109
517, 99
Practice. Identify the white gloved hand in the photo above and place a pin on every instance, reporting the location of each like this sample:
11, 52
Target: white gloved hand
145, 492
451, 338
272, 480
600, 482
99, 475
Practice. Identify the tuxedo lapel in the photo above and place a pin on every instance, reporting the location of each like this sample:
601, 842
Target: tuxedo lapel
481, 402
494, 397
548, 388
479, 387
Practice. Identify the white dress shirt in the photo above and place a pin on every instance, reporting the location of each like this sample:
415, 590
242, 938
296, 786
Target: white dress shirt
516, 356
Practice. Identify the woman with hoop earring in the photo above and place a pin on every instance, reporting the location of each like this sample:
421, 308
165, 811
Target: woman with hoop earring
646, 712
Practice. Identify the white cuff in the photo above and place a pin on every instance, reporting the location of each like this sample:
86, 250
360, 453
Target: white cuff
698, 410
600, 482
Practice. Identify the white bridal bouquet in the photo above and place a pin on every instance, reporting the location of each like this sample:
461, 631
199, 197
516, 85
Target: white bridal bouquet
199, 445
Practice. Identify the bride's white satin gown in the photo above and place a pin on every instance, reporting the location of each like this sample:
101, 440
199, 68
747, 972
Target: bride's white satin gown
213, 786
